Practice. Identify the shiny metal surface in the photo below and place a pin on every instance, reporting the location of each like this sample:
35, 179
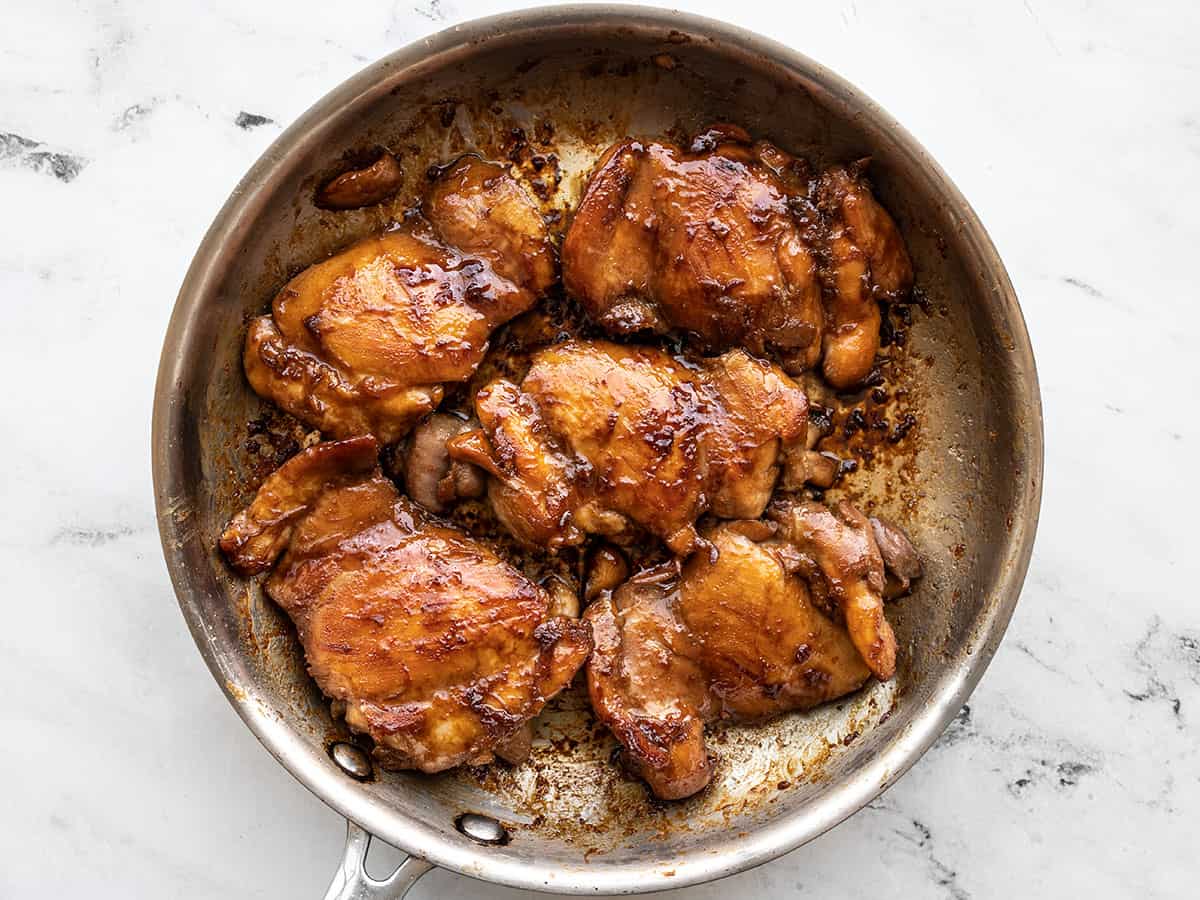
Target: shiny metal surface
352, 882
352, 760
482, 829
967, 485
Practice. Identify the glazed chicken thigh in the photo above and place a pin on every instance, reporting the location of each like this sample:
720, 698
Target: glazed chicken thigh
787, 615
738, 637
429, 642
601, 438
737, 245
699, 241
363, 342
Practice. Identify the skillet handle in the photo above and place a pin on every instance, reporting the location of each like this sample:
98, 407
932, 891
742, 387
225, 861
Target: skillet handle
351, 881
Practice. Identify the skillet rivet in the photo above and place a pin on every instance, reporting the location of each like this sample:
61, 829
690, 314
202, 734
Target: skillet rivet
481, 829
351, 760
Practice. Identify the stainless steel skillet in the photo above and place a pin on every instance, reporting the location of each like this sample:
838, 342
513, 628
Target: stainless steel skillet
547, 88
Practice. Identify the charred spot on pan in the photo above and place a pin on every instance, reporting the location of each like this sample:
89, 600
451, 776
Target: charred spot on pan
895, 320
922, 300
514, 143
900, 431
820, 417
854, 422
447, 110
887, 330
565, 744
272, 438
874, 379
543, 132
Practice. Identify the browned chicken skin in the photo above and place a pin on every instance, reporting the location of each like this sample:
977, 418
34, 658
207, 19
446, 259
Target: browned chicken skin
700, 242
618, 440
735, 244
737, 637
363, 342
437, 648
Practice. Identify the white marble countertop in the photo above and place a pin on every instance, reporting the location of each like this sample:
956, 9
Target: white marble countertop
1074, 129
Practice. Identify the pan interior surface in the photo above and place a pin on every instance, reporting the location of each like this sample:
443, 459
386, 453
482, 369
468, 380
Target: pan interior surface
547, 90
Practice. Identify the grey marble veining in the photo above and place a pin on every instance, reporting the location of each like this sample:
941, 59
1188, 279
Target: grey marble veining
1074, 129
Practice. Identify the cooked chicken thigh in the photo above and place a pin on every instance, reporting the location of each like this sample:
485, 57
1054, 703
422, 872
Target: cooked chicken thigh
363, 342
436, 648
735, 244
736, 637
619, 440
699, 241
